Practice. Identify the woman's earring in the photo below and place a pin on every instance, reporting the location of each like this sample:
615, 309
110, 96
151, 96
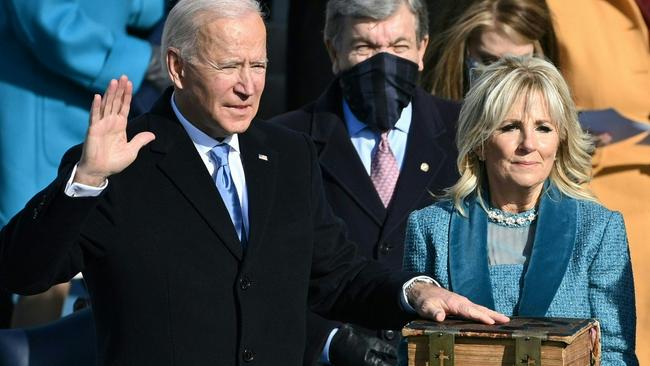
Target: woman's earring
479, 154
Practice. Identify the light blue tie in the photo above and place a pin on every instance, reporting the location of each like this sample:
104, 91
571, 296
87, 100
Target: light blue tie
227, 189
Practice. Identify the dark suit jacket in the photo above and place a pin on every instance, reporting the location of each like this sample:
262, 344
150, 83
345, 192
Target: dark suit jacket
169, 282
379, 231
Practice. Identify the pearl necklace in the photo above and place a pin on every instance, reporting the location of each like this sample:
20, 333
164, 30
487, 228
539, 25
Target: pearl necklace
508, 219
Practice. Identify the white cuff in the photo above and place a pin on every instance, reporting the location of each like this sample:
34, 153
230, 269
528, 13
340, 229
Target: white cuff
82, 190
325, 355
404, 299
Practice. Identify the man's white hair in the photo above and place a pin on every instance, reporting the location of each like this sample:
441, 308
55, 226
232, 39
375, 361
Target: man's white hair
188, 16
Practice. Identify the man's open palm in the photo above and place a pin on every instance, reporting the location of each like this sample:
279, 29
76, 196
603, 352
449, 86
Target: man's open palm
106, 150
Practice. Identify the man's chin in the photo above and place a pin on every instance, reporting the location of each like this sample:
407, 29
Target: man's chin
239, 126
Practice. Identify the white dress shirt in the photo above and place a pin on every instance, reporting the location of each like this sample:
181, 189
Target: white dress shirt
204, 143
365, 140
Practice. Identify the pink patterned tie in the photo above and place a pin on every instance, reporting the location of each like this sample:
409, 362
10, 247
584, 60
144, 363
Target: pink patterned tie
383, 170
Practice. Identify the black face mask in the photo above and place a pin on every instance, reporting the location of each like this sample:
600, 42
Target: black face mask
378, 88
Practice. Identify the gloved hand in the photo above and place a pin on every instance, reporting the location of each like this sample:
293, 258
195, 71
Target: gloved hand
351, 347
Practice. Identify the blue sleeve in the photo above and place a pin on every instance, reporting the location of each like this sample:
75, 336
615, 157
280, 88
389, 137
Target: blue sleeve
416, 251
70, 43
611, 295
145, 13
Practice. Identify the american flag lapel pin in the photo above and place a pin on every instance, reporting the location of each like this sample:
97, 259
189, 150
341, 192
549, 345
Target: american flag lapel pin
262, 157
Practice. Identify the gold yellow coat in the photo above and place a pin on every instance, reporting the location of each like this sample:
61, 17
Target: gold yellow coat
605, 57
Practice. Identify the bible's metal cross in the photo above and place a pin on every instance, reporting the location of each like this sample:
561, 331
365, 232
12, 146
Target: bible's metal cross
529, 361
442, 357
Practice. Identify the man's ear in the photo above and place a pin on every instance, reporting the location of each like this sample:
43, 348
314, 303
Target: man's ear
331, 51
175, 67
422, 49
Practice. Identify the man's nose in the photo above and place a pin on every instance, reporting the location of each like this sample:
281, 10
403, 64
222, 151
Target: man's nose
379, 49
245, 85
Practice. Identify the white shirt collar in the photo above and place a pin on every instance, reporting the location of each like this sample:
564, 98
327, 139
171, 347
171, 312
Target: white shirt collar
201, 140
355, 126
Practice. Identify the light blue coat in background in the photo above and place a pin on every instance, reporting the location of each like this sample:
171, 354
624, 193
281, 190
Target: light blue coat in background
579, 265
55, 55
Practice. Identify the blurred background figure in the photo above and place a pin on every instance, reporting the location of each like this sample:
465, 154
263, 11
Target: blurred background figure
605, 58
56, 55
484, 32
305, 56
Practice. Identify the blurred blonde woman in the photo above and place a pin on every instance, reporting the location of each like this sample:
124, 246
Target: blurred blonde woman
486, 31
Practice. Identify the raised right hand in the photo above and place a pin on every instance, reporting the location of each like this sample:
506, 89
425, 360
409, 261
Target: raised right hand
106, 150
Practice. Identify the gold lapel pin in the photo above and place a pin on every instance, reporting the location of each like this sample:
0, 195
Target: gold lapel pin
424, 167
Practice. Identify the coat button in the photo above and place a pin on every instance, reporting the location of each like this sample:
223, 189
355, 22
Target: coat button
245, 283
248, 355
389, 334
385, 248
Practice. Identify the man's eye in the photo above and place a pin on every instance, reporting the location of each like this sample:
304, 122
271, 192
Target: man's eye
362, 49
228, 69
401, 48
258, 68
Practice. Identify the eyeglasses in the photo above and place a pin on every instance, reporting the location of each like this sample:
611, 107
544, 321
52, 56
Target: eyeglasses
474, 69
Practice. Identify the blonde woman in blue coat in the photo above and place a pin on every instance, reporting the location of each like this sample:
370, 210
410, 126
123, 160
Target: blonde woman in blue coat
519, 232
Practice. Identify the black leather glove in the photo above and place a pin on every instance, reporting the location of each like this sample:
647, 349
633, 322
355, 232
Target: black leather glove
350, 347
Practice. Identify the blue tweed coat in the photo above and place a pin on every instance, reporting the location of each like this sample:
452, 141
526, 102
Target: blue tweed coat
579, 266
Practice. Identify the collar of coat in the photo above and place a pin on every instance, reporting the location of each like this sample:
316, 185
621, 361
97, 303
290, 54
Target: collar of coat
552, 247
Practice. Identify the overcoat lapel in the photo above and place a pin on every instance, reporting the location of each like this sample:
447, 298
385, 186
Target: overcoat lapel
182, 165
427, 127
469, 274
260, 168
552, 248
338, 157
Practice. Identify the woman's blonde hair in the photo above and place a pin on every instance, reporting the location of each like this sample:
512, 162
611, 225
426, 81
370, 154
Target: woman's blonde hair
528, 21
486, 106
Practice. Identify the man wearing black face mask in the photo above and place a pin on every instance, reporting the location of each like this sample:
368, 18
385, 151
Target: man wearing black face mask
384, 146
